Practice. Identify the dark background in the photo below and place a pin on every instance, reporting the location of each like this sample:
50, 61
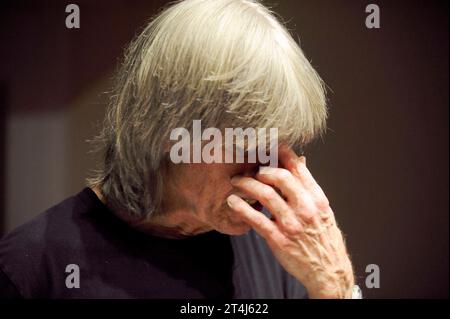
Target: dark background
383, 162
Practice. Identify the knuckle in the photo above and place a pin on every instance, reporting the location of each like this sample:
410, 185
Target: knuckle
323, 204
259, 223
268, 193
284, 174
300, 196
292, 227
308, 216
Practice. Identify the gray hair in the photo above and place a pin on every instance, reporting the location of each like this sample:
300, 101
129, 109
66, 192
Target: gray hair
229, 63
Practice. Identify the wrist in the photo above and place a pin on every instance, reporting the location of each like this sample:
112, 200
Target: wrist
341, 288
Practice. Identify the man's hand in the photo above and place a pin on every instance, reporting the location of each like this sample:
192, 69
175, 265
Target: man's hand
302, 234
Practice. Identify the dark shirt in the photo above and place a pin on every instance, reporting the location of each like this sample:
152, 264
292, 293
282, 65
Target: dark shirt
116, 261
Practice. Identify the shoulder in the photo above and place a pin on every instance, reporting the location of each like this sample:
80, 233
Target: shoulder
55, 224
29, 251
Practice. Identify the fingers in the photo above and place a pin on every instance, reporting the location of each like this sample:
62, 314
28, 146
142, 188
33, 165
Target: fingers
282, 179
259, 222
297, 166
270, 199
298, 197
302, 205
288, 158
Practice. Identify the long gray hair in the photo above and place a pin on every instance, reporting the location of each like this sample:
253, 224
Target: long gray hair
227, 62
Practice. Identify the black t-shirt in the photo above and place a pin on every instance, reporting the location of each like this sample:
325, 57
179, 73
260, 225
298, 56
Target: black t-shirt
115, 261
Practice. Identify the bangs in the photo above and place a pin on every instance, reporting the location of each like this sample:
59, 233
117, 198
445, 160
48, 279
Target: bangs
228, 63
251, 73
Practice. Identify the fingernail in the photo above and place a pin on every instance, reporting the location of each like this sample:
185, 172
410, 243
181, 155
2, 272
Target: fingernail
231, 200
265, 170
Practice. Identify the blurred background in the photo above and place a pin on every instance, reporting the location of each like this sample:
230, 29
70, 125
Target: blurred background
383, 162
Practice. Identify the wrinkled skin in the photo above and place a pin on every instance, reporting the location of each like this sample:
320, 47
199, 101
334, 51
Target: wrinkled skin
302, 233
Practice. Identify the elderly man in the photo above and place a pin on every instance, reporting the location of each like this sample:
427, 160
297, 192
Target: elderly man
153, 226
